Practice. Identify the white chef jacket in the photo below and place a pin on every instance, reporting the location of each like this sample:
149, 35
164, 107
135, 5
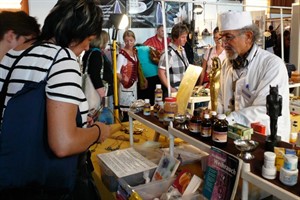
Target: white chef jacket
252, 86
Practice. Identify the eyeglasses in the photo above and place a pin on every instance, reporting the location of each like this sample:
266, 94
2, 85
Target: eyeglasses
228, 38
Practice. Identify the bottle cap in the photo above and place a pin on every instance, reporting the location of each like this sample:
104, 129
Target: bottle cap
206, 116
221, 116
213, 113
170, 99
147, 100
158, 86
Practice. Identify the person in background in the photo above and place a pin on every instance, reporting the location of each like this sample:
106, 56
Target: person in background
68, 29
247, 74
215, 51
150, 71
157, 41
127, 72
178, 61
286, 46
16, 28
100, 68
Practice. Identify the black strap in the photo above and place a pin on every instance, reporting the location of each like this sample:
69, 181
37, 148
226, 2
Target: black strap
6, 81
179, 56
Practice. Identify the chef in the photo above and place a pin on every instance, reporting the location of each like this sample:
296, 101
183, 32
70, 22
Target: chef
247, 74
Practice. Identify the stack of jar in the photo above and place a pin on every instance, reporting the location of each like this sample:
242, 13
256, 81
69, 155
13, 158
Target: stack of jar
289, 171
208, 127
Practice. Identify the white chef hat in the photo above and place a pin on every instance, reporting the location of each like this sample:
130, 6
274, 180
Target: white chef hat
234, 20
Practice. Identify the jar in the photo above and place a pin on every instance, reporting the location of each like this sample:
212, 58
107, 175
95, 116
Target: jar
147, 108
195, 122
220, 130
206, 128
170, 108
158, 93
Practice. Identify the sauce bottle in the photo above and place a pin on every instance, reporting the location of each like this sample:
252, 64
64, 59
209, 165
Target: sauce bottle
147, 107
206, 128
220, 129
158, 93
195, 122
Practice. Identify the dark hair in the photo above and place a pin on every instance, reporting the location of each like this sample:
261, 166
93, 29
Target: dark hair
72, 21
178, 29
271, 28
20, 22
216, 30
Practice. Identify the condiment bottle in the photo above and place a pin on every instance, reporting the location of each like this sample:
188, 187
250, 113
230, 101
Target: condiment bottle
206, 128
213, 119
195, 122
158, 93
171, 109
156, 108
161, 111
220, 129
147, 108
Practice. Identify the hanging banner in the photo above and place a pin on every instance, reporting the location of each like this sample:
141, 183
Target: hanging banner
144, 13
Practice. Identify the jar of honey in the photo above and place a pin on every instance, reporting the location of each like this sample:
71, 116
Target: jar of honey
170, 108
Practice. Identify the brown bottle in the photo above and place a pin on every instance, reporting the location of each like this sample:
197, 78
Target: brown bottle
220, 129
195, 123
206, 128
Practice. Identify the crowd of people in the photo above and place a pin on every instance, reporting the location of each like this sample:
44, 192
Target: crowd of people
49, 56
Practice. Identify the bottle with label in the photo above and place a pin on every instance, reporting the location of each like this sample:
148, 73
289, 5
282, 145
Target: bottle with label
206, 128
161, 112
195, 122
158, 93
106, 114
220, 129
156, 108
147, 108
213, 119
171, 109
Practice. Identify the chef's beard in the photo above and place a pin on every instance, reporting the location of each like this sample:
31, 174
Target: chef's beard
231, 54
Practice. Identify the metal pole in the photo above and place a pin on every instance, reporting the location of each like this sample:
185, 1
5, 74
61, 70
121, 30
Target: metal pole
116, 99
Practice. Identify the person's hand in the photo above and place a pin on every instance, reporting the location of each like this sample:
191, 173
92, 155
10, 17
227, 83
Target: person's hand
102, 92
105, 131
173, 90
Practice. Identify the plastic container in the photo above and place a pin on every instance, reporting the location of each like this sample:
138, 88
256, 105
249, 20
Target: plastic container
288, 177
147, 108
269, 159
158, 93
147, 191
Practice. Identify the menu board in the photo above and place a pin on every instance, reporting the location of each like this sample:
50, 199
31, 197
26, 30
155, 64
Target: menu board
144, 13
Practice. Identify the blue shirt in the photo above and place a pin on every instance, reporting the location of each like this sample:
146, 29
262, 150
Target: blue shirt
149, 68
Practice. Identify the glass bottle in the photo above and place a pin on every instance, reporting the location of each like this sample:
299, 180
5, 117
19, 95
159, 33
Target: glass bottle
156, 108
195, 122
161, 111
158, 93
206, 128
106, 114
220, 129
213, 119
147, 108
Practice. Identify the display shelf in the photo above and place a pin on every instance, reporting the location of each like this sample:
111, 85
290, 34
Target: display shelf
251, 170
